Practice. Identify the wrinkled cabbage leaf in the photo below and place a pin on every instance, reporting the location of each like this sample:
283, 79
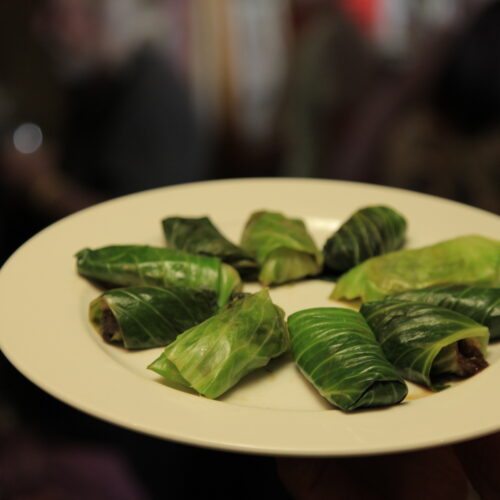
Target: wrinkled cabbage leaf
370, 231
136, 265
200, 236
282, 246
215, 355
480, 304
337, 352
464, 260
426, 343
146, 317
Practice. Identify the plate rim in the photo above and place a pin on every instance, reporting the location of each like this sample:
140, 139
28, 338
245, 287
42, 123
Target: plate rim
362, 449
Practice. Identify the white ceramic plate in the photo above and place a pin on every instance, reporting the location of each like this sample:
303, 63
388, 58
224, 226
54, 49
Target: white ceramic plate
45, 333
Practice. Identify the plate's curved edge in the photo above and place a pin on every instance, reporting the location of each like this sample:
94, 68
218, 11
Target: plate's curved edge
248, 448
247, 180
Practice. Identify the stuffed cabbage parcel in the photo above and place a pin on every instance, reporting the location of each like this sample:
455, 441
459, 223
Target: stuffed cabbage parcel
200, 236
465, 260
145, 317
337, 352
215, 355
282, 246
137, 265
370, 231
426, 343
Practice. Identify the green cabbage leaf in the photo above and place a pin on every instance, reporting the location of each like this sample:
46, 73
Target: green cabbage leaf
480, 304
215, 355
469, 259
146, 317
282, 246
426, 343
200, 236
371, 231
137, 265
337, 352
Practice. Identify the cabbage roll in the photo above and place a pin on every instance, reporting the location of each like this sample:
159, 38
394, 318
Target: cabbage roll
137, 265
337, 352
282, 246
371, 231
215, 355
145, 317
473, 260
426, 343
200, 236
480, 304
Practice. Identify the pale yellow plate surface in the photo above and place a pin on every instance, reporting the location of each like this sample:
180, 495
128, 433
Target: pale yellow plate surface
45, 333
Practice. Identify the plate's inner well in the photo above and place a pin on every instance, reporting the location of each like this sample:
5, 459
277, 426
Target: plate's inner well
279, 385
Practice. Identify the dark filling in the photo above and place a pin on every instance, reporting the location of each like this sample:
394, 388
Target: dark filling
470, 359
109, 326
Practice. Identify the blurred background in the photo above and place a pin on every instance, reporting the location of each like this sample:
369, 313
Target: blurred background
100, 98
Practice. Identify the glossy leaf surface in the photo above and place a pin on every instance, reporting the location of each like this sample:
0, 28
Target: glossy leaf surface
371, 231
200, 236
426, 342
215, 355
480, 304
337, 352
136, 265
282, 246
145, 317
463, 260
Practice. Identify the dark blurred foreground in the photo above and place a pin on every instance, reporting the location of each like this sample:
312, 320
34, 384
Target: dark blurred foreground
51, 451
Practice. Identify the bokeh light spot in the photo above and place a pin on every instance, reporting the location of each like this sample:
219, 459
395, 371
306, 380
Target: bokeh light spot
28, 138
